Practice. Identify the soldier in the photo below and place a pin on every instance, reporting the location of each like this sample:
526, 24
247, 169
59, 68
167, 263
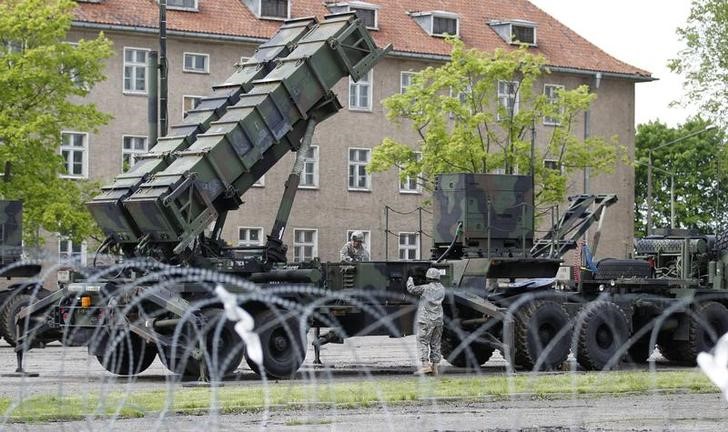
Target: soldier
354, 250
429, 320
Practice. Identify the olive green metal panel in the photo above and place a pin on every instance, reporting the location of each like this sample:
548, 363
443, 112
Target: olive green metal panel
253, 134
11, 231
107, 207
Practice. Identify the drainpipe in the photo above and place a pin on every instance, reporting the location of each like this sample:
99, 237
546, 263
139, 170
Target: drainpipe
163, 92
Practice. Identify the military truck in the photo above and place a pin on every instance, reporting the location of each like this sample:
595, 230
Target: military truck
160, 300
21, 274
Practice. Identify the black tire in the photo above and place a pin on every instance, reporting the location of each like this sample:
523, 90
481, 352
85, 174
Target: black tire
222, 354
10, 309
126, 354
603, 330
542, 336
708, 322
721, 242
610, 268
282, 342
471, 356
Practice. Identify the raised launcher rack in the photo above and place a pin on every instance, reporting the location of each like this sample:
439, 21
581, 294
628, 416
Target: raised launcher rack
175, 205
107, 208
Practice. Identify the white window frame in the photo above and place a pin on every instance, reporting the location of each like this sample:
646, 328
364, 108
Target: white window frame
559, 167
446, 15
408, 247
402, 75
354, 5
206, 70
367, 239
184, 99
248, 242
84, 155
354, 90
524, 25
132, 152
260, 12
368, 186
408, 179
68, 255
296, 244
504, 97
550, 121
135, 65
315, 162
183, 8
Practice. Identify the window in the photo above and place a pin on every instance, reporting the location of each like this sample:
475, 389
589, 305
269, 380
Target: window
305, 244
553, 164
444, 25
70, 251
309, 176
410, 184
196, 63
368, 16
189, 103
360, 93
405, 80
182, 4
358, 177
508, 97
523, 34
135, 70
367, 237
274, 8
248, 236
409, 246
551, 91
131, 146
260, 182
73, 73
74, 149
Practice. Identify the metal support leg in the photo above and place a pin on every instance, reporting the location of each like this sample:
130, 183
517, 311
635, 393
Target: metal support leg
317, 347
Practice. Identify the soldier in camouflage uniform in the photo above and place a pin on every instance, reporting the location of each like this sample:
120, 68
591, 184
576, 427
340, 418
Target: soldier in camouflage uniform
354, 250
429, 320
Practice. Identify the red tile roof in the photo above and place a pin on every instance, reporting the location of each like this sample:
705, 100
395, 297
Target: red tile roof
561, 46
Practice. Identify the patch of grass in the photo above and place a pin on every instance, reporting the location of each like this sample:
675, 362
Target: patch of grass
299, 422
286, 395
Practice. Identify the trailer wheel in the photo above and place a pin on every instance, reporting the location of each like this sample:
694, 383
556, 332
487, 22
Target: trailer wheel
124, 354
467, 356
603, 330
10, 309
708, 323
222, 354
542, 335
283, 344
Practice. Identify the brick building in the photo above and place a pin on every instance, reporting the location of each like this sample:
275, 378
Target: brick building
206, 39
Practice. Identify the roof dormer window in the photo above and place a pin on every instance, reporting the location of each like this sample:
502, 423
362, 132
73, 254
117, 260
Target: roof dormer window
438, 23
270, 9
188, 5
366, 12
516, 32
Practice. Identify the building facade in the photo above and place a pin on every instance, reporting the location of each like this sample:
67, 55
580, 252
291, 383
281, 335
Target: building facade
337, 195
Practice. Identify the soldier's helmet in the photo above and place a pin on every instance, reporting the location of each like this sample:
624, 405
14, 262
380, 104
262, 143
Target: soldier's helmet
358, 236
433, 273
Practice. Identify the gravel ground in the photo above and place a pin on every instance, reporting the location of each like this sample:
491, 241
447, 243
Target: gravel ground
71, 371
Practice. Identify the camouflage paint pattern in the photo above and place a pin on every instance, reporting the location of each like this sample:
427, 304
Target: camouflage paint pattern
495, 210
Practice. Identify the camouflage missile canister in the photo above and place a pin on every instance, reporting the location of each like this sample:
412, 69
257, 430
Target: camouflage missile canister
496, 212
177, 204
107, 207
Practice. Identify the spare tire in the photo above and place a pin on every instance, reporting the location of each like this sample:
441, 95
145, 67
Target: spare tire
610, 268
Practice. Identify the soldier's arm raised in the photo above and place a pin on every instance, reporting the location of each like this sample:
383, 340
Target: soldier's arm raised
414, 289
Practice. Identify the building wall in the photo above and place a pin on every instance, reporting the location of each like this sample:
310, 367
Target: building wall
331, 208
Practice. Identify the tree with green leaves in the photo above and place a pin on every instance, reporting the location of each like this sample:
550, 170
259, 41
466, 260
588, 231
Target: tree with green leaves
476, 114
704, 60
42, 78
698, 165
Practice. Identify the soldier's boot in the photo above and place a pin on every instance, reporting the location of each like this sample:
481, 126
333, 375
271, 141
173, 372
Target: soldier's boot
434, 372
424, 370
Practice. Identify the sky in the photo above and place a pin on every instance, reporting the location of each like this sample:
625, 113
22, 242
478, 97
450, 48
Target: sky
638, 32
